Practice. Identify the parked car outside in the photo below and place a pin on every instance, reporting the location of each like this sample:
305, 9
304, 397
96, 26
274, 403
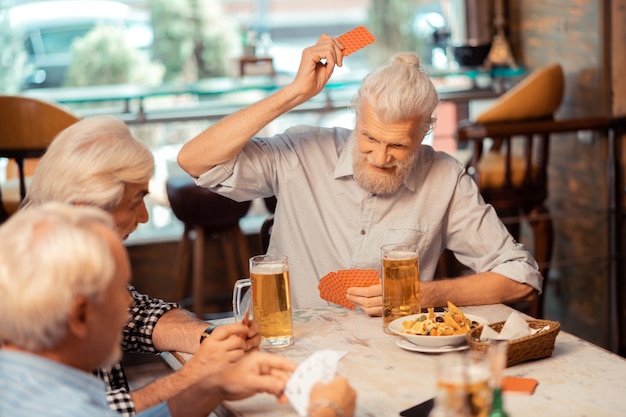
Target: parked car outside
49, 28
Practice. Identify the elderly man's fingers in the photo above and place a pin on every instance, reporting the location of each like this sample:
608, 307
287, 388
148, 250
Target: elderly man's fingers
373, 311
365, 302
371, 291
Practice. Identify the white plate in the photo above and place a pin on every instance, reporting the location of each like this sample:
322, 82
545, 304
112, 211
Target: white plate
431, 341
406, 345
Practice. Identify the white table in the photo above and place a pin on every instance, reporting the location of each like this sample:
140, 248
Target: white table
580, 379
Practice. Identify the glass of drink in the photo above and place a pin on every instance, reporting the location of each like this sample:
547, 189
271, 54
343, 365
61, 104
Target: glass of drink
401, 286
270, 299
464, 378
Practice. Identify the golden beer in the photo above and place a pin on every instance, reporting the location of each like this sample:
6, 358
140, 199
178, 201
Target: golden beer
401, 290
271, 303
476, 393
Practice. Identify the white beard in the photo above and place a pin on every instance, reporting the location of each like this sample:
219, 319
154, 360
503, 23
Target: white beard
379, 182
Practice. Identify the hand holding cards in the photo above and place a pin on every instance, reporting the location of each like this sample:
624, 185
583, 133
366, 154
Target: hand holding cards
321, 366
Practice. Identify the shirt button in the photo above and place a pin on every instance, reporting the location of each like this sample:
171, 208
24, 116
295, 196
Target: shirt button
362, 232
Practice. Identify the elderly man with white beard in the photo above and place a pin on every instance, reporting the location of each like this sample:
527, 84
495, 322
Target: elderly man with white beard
342, 194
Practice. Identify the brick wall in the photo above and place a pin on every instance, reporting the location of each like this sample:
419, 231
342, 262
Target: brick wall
576, 34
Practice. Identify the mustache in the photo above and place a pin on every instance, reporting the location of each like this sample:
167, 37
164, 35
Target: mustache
392, 164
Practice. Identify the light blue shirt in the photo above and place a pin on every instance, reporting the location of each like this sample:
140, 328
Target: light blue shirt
32, 386
324, 221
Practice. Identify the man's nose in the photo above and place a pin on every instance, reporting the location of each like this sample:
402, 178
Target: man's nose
142, 213
380, 156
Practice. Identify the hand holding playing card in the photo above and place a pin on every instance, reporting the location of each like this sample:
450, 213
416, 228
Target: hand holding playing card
334, 286
319, 367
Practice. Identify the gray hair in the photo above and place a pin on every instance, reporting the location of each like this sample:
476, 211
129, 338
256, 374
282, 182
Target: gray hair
48, 256
90, 162
399, 91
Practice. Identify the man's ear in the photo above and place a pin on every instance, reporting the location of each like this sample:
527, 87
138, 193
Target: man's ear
78, 319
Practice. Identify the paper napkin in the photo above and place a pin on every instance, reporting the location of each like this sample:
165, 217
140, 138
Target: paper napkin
514, 328
321, 366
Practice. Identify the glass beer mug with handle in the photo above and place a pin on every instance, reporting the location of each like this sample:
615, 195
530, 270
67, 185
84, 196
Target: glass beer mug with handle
270, 299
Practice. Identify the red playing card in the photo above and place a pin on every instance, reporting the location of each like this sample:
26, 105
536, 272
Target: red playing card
355, 39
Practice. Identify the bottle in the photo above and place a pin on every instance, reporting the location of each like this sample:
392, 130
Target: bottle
497, 406
497, 357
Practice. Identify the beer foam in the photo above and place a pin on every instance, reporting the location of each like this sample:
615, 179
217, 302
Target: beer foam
400, 255
269, 268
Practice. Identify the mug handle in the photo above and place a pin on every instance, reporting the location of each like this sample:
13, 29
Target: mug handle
241, 300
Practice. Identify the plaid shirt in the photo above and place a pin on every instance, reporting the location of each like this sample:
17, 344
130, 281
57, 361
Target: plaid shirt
144, 314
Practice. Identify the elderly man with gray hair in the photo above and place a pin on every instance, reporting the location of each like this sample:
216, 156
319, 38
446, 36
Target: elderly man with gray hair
64, 303
343, 193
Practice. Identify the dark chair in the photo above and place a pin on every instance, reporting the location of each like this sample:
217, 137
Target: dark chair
266, 228
525, 197
28, 127
510, 159
516, 186
266, 232
205, 216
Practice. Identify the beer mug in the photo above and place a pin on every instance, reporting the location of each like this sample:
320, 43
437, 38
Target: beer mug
270, 299
400, 280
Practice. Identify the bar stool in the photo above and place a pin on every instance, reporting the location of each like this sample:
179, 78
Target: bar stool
207, 215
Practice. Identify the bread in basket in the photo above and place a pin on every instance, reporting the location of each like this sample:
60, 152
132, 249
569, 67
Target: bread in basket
536, 346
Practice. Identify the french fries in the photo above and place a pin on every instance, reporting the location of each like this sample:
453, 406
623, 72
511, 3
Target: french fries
450, 323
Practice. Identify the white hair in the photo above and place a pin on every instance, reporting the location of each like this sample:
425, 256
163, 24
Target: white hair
48, 256
398, 92
90, 162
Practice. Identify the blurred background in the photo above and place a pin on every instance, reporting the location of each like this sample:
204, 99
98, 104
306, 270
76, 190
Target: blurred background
93, 56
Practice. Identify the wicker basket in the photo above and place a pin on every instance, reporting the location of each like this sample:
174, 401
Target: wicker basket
537, 346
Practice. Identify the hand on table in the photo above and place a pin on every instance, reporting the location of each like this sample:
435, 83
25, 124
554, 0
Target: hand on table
337, 391
369, 299
254, 373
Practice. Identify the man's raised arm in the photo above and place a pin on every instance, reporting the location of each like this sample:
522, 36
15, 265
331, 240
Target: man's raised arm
224, 140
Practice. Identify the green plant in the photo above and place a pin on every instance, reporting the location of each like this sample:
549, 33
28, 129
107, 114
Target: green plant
13, 58
103, 57
391, 22
192, 38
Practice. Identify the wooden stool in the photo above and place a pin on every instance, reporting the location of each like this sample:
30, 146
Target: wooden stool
207, 215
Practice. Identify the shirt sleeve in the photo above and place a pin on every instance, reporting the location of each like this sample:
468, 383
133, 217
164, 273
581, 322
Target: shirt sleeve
480, 240
144, 314
117, 390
